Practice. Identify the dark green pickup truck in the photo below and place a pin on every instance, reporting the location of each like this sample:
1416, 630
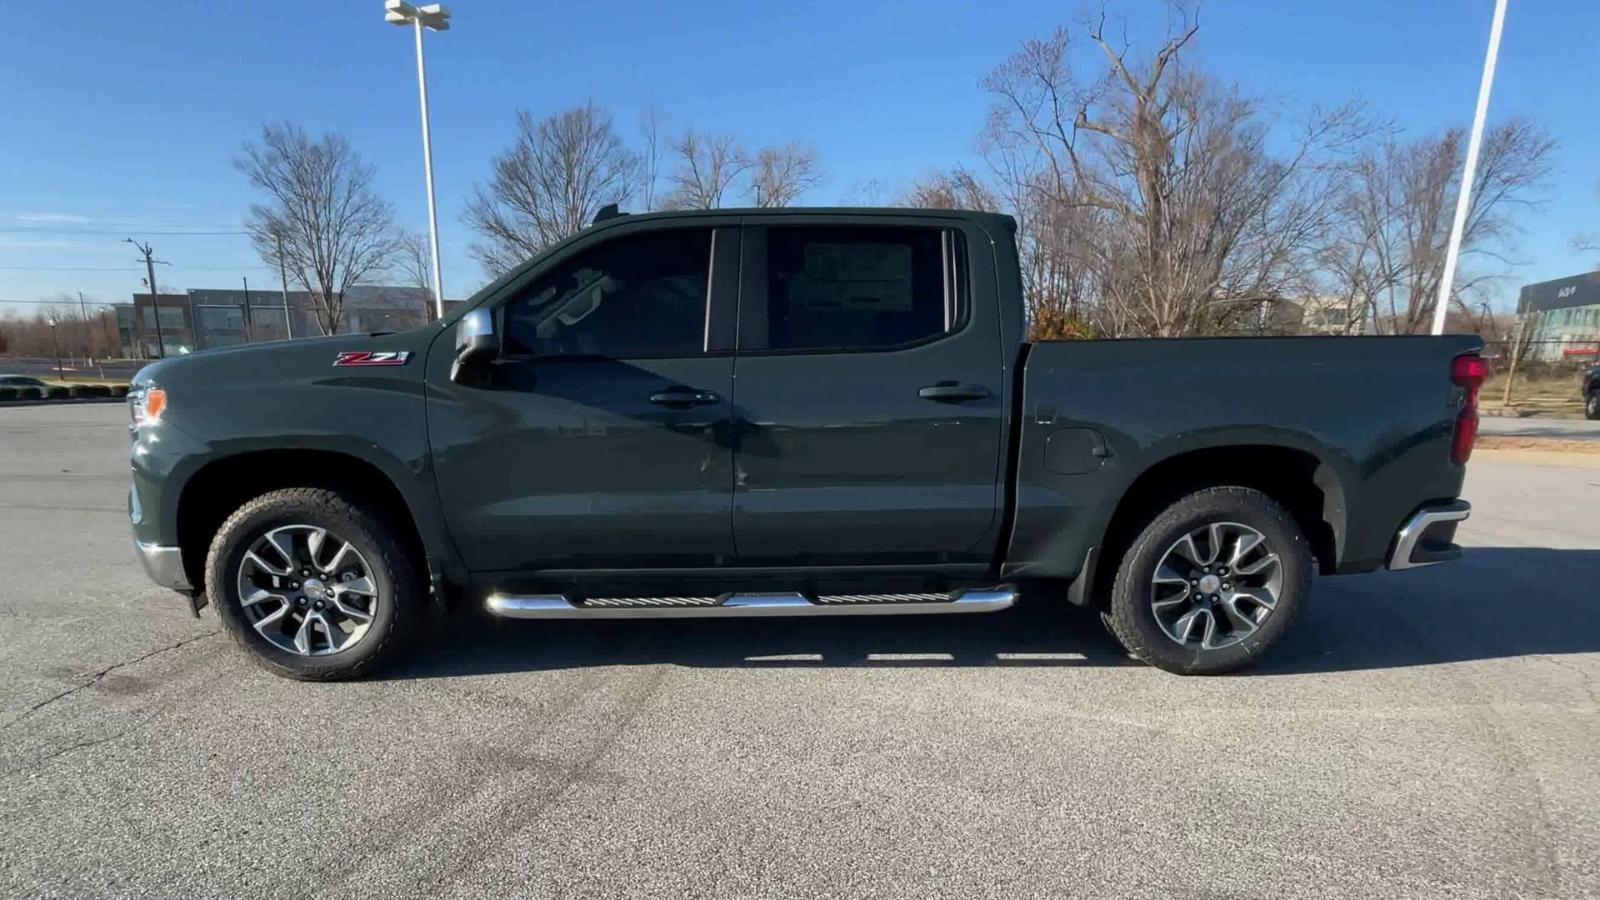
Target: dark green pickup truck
787, 412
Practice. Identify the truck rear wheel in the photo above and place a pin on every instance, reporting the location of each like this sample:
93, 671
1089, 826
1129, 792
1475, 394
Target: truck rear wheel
312, 584
1591, 405
1211, 582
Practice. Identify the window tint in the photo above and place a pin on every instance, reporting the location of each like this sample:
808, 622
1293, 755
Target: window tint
858, 288
633, 297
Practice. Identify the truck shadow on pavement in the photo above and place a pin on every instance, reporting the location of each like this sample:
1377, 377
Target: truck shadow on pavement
1497, 602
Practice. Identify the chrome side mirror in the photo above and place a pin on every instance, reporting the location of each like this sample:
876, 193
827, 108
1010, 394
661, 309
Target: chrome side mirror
476, 346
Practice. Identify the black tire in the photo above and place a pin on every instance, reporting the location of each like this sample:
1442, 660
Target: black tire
1131, 617
401, 591
1591, 405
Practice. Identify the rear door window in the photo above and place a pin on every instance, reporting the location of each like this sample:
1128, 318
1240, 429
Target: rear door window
836, 288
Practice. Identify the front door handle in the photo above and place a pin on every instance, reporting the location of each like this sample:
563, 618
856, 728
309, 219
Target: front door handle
682, 398
951, 392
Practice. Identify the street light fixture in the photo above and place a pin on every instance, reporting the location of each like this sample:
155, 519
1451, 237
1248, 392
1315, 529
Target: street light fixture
60, 376
436, 17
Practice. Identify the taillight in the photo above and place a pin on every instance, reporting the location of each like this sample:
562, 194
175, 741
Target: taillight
1468, 371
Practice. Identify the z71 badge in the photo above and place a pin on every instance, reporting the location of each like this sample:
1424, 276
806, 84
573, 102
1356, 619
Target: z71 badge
372, 358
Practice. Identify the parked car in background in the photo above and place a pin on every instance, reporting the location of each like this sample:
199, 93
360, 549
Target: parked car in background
788, 412
20, 381
1591, 393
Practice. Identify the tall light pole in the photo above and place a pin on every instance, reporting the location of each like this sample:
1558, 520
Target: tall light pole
53, 340
1464, 198
435, 16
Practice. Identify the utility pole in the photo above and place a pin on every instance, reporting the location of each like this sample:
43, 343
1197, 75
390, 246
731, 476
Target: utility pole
246, 308
283, 273
155, 296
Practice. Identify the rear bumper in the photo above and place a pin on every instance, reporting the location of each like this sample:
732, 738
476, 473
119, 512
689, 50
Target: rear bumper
1428, 536
164, 565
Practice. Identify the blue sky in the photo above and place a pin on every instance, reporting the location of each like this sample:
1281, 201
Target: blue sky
123, 118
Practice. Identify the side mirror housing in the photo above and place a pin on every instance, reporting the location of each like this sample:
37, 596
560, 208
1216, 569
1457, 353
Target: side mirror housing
476, 346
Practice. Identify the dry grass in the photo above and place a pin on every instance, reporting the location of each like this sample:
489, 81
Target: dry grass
1541, 444
1547, 397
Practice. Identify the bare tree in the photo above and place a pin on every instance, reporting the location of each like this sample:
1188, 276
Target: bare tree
322, 210
866, 192
1588, 242
1386, 261
782, 174
1161, 187
549, 185
414, 266
958, 188
708, 167
651, 161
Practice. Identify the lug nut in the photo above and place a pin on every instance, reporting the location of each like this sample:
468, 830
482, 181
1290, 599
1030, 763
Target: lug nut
1194, 582
1226, 586
317, 605
300, 602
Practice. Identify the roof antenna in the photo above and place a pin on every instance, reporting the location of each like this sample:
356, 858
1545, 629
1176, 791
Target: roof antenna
609, 211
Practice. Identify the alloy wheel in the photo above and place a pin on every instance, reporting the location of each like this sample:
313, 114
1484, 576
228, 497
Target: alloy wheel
307, 591
1216, 586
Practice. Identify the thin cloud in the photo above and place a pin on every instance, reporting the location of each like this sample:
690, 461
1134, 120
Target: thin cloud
54, 218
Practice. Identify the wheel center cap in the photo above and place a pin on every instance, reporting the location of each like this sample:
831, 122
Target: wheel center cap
316, 590
1208, 584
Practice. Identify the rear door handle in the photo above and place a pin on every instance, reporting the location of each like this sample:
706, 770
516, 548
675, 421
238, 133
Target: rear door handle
682, 397
951, 392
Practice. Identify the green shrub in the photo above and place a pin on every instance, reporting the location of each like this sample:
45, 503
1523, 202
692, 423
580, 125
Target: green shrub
119, 390
30, 393
57, 392
8, 393
94, 390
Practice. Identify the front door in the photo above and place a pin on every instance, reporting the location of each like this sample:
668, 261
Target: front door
602, 439
869, 414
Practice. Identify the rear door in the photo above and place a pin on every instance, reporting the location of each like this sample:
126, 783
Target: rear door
869, 416
602, 441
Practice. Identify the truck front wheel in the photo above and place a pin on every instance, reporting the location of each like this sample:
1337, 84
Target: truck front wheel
1211, 582
313, 584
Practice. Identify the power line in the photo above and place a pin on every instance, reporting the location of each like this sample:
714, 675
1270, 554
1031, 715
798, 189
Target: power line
61, 302
32, 229
67, 269
126, 269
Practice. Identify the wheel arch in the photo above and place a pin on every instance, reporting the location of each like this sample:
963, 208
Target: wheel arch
222, 485
1306, 484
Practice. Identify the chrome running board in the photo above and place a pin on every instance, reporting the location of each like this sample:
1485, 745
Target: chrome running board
557, 606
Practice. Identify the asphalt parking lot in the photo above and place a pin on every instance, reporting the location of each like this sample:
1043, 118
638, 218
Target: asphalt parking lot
1430, 733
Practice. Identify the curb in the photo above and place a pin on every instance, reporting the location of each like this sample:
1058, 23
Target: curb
71, 401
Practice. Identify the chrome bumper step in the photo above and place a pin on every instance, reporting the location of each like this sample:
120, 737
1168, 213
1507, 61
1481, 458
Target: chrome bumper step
557, 606
1413, 548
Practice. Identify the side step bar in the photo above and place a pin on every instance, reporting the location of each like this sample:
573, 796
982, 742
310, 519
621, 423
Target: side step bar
557, 606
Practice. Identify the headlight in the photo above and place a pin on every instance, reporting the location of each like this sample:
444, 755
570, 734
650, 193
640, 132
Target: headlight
146, 405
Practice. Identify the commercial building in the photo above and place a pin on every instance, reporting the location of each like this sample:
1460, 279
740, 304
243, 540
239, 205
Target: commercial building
1564, 316
207, 317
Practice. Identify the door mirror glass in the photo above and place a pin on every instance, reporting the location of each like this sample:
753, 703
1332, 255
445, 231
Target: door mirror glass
476, 346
